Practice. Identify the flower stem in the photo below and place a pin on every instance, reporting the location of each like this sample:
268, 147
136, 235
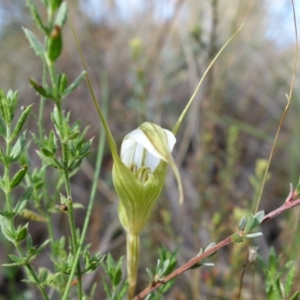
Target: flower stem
133, 253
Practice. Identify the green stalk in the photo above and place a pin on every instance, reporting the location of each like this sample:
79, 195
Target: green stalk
65, 171
133, 253
100, 153
9, 208
70, 211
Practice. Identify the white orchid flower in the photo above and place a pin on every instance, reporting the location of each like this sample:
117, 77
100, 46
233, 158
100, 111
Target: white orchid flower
139, 176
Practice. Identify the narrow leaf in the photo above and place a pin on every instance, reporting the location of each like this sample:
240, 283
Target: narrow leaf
22, 202
253, 235
21, 121
36, 17
2, 128
17, 148
2, 157
40, 89
74, 84
34, 42
18, 177
289, 280
61, 16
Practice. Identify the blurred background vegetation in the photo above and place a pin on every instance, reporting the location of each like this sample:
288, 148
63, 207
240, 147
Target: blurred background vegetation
148, 56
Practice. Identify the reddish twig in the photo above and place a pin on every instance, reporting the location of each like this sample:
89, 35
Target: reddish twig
288, 204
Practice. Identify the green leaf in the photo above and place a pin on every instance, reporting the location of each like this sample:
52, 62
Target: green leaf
18, 177
17, 148
55, 4
23, 201
62, 82
20, 261
45, 92
36, 17
35, 44
253, 235
2, 157
12, 98
21, 233
4, 107
21, 122
74, 84
259, 216
117, 277
47, 153
250, 223
50, 161
2, 128
242, 223
5, 227
62, 14
55, 43
289, 280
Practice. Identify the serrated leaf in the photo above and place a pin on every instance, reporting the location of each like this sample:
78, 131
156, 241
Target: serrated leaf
16, 259
62, 14
49, 161
253, 235
34, 42
21, 122
74, 84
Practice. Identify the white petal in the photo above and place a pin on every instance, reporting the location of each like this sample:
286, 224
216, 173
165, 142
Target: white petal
138, 149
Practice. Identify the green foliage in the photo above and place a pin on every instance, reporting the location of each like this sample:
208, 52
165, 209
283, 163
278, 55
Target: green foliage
278, 278
165, 265
117, 288
246, 224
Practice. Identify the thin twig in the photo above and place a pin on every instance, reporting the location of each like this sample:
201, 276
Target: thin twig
286, 206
